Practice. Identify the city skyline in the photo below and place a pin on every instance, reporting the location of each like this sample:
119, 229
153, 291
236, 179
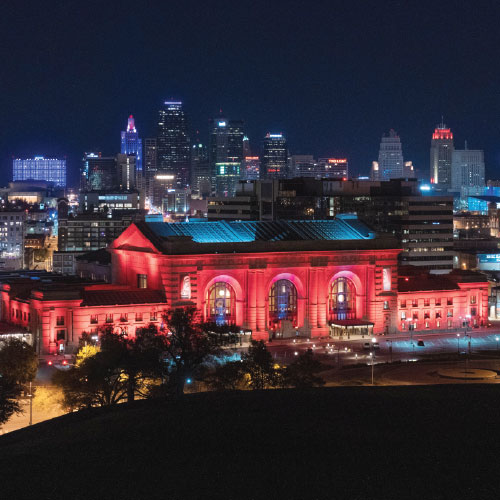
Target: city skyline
334, 97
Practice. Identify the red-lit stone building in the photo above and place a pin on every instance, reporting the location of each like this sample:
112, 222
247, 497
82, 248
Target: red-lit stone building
284, 278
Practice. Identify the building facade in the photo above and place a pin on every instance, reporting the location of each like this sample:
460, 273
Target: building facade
173, 144
274, 160
131, 143
280, 279
390, 157
441, 157
468, 171
225, 154
40, 169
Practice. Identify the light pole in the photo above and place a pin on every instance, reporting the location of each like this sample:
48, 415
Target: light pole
497, 339
371, 356
458, 344
31, 404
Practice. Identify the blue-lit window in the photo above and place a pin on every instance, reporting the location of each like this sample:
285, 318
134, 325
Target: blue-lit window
282, 303
221, 303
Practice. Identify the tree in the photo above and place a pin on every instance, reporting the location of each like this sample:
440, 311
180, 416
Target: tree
9, 399
227, 376
118, 370
18, 361
301, 373
258, 363
186, 346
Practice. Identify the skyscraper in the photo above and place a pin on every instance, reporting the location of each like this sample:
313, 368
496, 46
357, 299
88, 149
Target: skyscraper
98, 173
201, 182
40, 169
150, 164
225, 154
131, 144
173, 143
467, 169
274, 160
333, 168
441, 156
390, 157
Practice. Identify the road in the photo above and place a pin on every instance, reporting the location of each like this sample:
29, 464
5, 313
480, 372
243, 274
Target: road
391, 348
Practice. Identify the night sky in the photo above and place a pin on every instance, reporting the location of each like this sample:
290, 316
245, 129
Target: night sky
333, 76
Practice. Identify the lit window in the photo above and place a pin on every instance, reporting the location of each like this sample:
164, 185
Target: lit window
142, 281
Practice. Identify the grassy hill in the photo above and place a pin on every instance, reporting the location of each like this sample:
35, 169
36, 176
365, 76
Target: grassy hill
352, 443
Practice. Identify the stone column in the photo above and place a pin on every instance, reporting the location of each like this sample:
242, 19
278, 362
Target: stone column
322, 298
260, 301
252, 300
312, 294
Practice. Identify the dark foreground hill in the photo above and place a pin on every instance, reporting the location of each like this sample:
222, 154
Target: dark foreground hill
346, 443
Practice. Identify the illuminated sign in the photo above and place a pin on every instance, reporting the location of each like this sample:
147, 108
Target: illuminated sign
337, 160
186, 287
165, 177
275, 136
222, 124
425, 187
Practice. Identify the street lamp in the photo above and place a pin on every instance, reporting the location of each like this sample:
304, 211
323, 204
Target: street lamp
497, 339
371, 356
458, 344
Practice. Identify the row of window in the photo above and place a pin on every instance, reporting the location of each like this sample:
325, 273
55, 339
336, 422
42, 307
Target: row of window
437, 302
122, 317
18, 314
438, 314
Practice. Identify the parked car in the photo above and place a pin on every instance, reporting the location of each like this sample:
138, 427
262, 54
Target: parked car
371, 345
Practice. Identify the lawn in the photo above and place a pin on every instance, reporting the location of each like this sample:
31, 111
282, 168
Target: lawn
344, 442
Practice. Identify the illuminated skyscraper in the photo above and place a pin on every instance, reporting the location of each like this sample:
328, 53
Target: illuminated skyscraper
225, 155
250, 170
150, 164
131, 144
40, 169
333, 168
467, 169
173, 143
274, 162
441, 157
390, 157
201, 182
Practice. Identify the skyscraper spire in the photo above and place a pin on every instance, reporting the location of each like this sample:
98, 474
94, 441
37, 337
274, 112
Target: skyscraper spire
131, 124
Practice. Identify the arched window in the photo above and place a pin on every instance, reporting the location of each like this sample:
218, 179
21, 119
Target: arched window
282, 302
221, 301
342, 299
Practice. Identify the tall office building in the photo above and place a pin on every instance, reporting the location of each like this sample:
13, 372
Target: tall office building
225, 154
302, 166
173, 148
390, 157
98, 173
250, 170
274, 160
131, 144
467, 169
246, 147
441, 157
333, 168
150, 164
40, 169
201, 178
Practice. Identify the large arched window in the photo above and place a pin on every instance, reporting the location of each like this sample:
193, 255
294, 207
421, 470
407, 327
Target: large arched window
221, 301
282, 302
342, 299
